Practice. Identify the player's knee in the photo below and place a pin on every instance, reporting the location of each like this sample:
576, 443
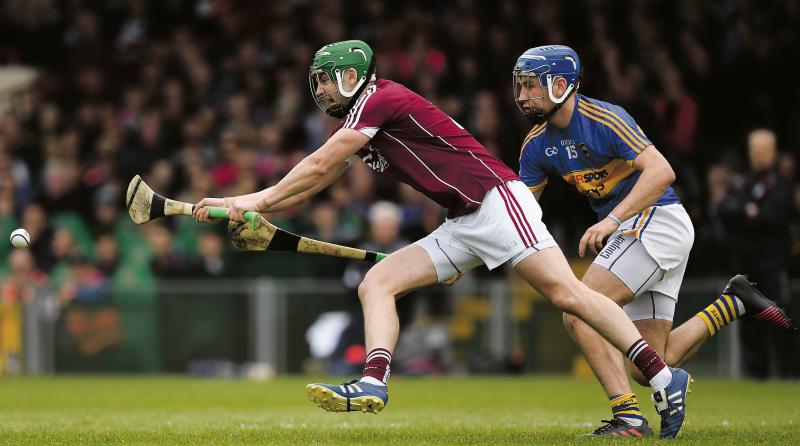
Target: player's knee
672, 359
565, 302
374, 287
566, 297
366, 289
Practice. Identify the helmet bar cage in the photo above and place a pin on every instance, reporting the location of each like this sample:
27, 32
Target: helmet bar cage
338, 110
546, 80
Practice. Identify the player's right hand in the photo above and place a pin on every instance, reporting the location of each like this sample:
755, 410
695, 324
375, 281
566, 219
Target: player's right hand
594, 237
200, 213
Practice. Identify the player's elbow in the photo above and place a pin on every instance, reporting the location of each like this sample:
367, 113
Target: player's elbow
664, 169
669, 175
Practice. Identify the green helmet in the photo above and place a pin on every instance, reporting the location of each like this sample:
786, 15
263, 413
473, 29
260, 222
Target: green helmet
335, 59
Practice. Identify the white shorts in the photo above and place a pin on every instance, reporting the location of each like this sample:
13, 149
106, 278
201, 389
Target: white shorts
507, 226
649, 254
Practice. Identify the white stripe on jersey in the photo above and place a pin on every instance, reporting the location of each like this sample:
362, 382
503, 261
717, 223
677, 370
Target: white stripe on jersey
451, 146
371, 90
352, 111
360, 107
429, 169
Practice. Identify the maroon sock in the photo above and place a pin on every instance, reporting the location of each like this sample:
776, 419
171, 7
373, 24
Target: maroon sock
645, 359
377, 364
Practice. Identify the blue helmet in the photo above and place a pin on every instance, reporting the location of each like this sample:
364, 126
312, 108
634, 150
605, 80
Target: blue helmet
548, 63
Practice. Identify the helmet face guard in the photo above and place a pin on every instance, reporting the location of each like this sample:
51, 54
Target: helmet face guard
332, 61
546, 64
519, 81
333, 106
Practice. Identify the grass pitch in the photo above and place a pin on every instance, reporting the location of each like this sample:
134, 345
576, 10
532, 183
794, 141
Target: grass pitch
503, 410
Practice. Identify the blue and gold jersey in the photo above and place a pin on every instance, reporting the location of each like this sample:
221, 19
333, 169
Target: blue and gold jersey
594, 153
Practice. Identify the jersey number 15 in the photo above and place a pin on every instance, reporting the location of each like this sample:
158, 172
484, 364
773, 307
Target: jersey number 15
572, 153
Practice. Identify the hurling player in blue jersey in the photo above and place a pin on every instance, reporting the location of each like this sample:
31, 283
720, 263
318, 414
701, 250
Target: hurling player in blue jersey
641, 241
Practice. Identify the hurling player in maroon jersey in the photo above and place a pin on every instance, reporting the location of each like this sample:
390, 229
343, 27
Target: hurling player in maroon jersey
492, 218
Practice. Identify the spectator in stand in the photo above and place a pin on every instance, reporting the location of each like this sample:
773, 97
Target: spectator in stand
167, 262
107, 250
384, 229
16, 290
84, 283
212, 255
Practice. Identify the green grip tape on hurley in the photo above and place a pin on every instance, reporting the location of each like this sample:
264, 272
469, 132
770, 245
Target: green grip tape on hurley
220, 212
380, 256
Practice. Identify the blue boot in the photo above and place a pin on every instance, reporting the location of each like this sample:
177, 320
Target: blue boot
349, 397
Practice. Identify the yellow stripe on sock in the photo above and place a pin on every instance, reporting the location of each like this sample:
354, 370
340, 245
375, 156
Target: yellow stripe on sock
719, 318
625, 405
711, 329
622, 399
732, 303
627, 399
726, 312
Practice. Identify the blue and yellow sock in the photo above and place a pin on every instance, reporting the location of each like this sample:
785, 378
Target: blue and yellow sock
726, 309
626, 407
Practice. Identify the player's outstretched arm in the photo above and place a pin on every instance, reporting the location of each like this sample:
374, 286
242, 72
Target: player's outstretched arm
324, 182
314, 173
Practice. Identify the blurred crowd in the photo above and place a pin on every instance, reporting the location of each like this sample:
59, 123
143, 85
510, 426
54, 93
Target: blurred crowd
210, 98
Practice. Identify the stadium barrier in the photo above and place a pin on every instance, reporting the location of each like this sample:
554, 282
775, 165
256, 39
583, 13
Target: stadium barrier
492, 326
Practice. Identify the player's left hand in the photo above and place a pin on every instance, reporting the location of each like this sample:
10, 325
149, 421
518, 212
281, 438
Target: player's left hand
237, 206
200, 213
594, 236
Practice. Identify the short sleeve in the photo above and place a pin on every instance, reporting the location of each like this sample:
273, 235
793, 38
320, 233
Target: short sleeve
531, 171
370, 112
625, 137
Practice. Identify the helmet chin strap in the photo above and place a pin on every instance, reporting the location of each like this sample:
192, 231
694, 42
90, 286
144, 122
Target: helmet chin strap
339, 111
341, 87
538, 116
563, 97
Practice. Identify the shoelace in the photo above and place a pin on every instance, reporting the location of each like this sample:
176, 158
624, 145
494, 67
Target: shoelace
347, 394
608, 427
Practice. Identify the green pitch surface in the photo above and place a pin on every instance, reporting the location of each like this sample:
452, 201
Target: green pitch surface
507, 410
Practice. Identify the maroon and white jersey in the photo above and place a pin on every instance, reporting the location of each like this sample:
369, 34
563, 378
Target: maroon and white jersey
414, 142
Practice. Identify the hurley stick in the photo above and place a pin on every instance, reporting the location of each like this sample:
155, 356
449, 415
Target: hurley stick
257, 234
